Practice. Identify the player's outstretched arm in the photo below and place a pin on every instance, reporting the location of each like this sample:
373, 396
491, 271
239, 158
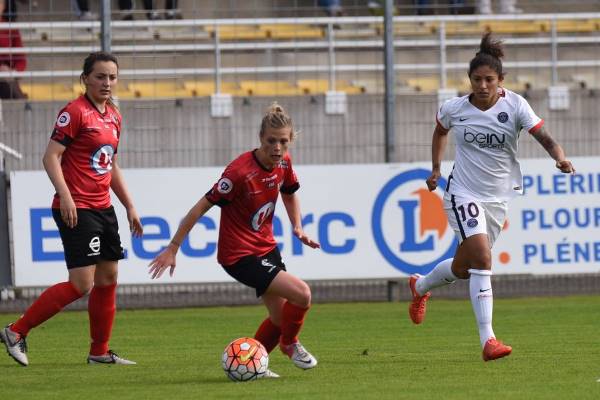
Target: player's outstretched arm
292, 206
554, 149
438, 146
167, 258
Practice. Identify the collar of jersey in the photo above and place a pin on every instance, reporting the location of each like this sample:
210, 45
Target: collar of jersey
96, 108
259, 163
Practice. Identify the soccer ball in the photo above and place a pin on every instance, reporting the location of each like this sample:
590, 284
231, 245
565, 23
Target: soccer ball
245, 359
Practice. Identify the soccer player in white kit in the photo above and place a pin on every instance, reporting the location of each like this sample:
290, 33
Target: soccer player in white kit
486, 125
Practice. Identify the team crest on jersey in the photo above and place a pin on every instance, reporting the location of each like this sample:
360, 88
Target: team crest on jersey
503, 117
224, 185
472, 223
63, 119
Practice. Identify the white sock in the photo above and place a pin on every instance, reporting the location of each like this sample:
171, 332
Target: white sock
482, 298
440, 276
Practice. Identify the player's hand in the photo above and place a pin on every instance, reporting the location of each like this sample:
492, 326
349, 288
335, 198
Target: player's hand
163, 261
68, 211
135, 225
432, 181
299, 233
565, 166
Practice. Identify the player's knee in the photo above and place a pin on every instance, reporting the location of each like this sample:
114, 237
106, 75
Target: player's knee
482, 260
83, 286
275, 318
303, 295
106, 279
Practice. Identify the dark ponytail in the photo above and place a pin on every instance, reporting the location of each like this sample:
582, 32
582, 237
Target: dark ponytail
490, 53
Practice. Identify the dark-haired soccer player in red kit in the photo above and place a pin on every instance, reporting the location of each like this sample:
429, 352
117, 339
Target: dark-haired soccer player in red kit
81, 161
247, 193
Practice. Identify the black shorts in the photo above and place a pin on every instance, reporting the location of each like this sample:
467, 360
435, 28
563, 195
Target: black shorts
94, 238
257, 272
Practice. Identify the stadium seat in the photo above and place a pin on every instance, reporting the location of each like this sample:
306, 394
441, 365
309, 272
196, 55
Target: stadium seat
207, 88
514, 27
576, 26
158, 89
431, 84
369, 85
283, 31
199, 88
319, 86
313, 86
237, 32
48, 91
407, 29
457, 28
424, 84
269, 88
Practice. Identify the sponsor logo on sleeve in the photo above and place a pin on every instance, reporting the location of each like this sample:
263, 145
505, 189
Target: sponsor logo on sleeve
224, 185
63, 119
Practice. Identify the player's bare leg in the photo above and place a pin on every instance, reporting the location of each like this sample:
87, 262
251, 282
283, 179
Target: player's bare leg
298, 296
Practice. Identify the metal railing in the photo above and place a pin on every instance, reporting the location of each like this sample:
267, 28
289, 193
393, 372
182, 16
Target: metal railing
332, 42
10, 151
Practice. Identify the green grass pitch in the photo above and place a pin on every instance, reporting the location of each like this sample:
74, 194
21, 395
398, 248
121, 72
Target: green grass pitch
365, 351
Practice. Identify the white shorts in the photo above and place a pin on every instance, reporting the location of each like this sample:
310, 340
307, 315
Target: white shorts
470, 217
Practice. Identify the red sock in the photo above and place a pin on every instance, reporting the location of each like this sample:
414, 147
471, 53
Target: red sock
268, 334
50, 302
291, 322
101, 310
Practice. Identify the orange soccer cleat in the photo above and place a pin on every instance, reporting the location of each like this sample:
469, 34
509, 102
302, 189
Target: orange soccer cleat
495, 349
417, 307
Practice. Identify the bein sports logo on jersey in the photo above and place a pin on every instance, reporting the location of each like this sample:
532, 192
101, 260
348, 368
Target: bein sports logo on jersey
485, 140
101, 160
409, 224
262, 215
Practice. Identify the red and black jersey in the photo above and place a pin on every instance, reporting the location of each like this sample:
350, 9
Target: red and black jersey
91, 139
247, 193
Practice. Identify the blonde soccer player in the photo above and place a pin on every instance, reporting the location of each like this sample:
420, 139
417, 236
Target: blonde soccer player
247, 193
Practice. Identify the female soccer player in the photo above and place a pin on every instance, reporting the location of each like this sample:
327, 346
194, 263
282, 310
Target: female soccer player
247, 193
81, 162
486, 126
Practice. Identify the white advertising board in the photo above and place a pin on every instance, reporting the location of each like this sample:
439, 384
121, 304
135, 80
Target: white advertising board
373, 221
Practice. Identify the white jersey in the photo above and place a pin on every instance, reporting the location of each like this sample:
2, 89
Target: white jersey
486, 166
